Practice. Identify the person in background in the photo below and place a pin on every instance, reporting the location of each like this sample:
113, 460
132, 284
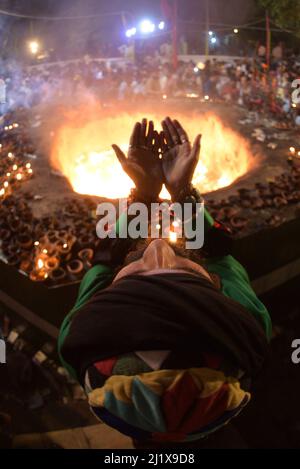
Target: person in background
166, 342
2, 96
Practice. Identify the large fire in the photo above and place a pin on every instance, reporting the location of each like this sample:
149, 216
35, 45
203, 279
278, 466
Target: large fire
82, 152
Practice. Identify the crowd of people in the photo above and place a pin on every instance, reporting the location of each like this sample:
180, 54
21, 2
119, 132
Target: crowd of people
247, 82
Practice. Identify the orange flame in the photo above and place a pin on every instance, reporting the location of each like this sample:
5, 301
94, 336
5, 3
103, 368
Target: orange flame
82, 152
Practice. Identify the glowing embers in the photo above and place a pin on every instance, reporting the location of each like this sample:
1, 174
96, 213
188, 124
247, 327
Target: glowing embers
82, 152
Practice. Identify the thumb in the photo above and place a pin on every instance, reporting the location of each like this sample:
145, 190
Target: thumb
196, 148
119, 154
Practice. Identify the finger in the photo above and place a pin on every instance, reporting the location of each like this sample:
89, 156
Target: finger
181, 132
173, 132
135, 136
150, 135
167, 134
196, 148
119, 154
143, 141
163, 143
156, 142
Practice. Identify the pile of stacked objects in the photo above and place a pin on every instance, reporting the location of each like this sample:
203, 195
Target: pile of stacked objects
262, 206
54, 249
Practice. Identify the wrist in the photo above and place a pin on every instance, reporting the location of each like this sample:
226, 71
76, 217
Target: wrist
186, 194
137, 195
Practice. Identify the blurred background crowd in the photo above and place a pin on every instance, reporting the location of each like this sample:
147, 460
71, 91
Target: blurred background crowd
243, 81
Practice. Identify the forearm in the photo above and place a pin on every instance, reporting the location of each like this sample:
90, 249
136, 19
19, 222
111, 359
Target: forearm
235, 284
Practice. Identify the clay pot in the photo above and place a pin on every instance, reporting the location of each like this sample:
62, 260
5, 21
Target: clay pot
52, 263
63, 247
80, 226
292, 198
268, 202
238, 222
14, 224
13, 260
38, 231
86, 255
230, 212
52, 250
10, 248
24, 255
3, 213
40, 276
70, 239
5, 250
245, 203
57, 275
25, 241
4, 234
75, 269
275, 220
26, 266
21, 205
257, 202
63, 234
85, 241
220, 214
26, 216
279, 201
44, 240
53, 236
9, 202
264, 193
52, 233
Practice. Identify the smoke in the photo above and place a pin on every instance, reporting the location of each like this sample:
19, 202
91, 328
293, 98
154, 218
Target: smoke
236, 11
61, 83
59, 40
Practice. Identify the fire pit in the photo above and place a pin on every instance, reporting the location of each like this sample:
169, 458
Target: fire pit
47, 222
82, 152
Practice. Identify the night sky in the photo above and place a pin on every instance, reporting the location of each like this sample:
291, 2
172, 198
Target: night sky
76, 35
221, 11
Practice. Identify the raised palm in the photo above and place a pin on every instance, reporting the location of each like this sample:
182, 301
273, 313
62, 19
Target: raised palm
180, 158
142, 164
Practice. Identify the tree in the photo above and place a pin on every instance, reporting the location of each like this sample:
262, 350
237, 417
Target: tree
284, 13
